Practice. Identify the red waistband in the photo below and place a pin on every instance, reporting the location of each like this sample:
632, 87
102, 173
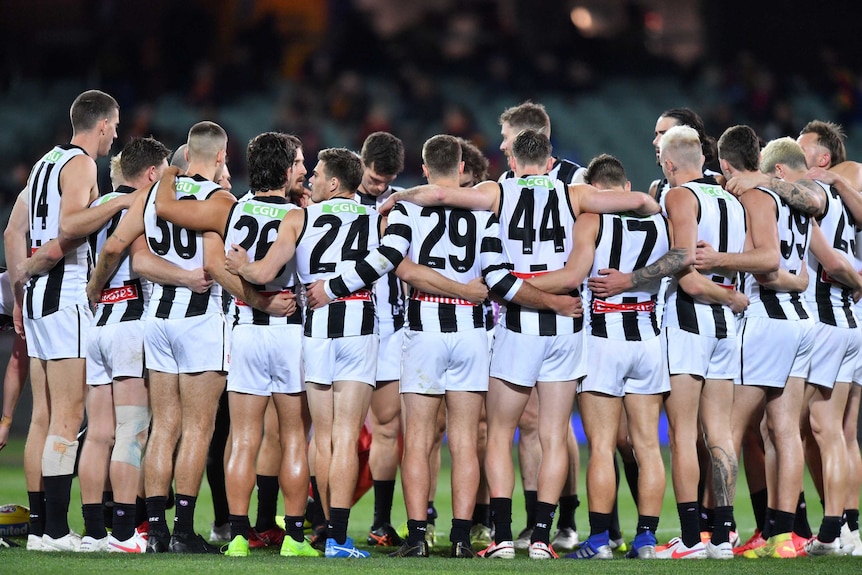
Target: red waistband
527, 275
602, 306
423, 296
118, 294
362, 295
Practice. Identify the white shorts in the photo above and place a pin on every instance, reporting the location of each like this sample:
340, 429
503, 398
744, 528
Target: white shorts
771, 349
187, 345
352, 358
266, 359
60, 335
435, 362
836, 350
526, 359
857, 374
621, 367
115, 350
704, 356
389, 355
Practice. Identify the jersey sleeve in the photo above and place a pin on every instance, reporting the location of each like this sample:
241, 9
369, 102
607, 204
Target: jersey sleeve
393, 248
495, 268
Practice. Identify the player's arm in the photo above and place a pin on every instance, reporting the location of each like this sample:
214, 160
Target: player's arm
207, 216
803, 195
761, 254
161, 271
429, 280
280, 304
483, 196
587, 198
785, 281
282, 250
850, 195
78, 182
571, 277
130, 228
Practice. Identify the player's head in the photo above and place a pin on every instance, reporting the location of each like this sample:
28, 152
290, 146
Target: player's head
208, 145
296, 188
382, 159
823, 144
739, 150
270, 157
180, 158
142, 161
96, 112
531, 148
338, 171
441, 157
685, 117
680, 150
224, 179
116, 172
607, 173
782, 157
475, 164
526, 116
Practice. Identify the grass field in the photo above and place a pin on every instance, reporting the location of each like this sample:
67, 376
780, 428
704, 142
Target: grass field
12, 490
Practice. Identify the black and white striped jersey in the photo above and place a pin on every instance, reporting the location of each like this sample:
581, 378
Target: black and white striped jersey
461, 245
831, 302
536, 219
253, 224
567, 171
388, 291
794, 229
337, 234
721, 223
126, 295
183, 248
65, 284
627, 243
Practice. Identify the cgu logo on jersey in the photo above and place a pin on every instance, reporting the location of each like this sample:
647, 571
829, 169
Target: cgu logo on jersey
536, 182
187, 187
106, 198
263, 210
717, 192
344, 208
53, 156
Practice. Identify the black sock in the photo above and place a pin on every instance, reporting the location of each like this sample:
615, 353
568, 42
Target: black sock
721, 528
689, 522
215, 461
830, 528
37, 512
460, 531
501, 517
758, 506
293, 527
314, 511
544, 521
432, 513
632, 472
184, 521
615, 531
801, 526
530, 498
851, 517
239, 526
482, 514
94, 520
647, 523
108, 508
140, 510
123, 521
707, 519
599, 523
57, 495
338, 518
768, 523
384, 491
783, 523
568, 505
267, 502
416, 531
156, 516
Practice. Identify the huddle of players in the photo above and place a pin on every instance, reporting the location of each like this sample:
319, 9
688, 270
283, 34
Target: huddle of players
520, 229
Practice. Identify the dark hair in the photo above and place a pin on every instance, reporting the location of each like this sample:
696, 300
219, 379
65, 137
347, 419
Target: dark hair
384, 153
527, 116
441, 154
688, 117
140, 154
605, 171
739, 146
343, 165
90, 107
270, 155
830, 136
474, 160
531, 148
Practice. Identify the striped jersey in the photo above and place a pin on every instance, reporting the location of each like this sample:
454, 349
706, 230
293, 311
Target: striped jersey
253, 224
721, 223
337, 233
627, 243
794, 236
183, 248
567, 171
461, 245
388, 292
830, 301
125, 296
65, 284
536, 219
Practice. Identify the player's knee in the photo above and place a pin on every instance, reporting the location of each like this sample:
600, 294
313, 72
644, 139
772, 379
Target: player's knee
130, 436
58, 457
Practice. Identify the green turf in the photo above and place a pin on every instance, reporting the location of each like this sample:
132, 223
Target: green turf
12, 490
